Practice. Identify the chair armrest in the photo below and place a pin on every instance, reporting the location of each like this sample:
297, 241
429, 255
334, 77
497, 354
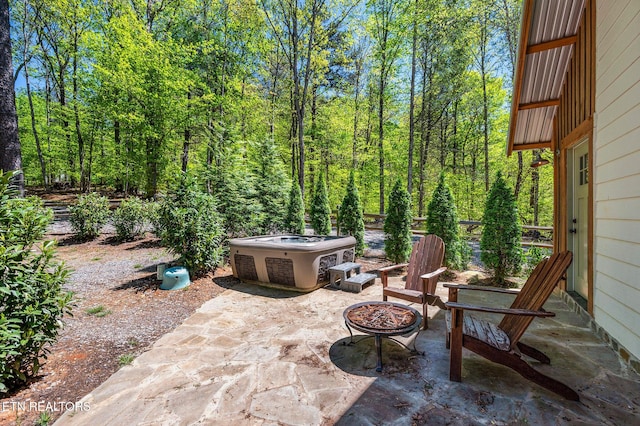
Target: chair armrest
480, 288
392, 267
434, 273
506, 311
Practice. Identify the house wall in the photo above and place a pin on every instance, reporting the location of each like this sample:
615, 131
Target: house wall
616, 172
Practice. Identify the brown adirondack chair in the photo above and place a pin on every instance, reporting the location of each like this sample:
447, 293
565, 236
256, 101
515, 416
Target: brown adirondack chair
423, 270
501, 343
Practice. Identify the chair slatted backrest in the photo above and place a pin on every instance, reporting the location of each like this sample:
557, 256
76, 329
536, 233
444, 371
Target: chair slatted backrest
535, 293
427, 256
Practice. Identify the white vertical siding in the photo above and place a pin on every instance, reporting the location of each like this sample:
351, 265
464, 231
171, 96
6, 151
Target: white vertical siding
617, 172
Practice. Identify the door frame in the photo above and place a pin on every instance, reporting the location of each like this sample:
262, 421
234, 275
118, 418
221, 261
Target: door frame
574, 188
582, 133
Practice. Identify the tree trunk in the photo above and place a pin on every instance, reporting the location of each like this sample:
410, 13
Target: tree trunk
381, 87
36, 136
152, 167
356, 104
76, 115
535, 188
412, 102
518, 186
187, 138
10, 156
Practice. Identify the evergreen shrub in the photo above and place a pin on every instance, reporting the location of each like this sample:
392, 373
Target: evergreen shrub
238, 202
500, 244
442, 220
351, 216
189, 225
31, 295
397, 225
89, 215
320, 209
294, 221
270, 186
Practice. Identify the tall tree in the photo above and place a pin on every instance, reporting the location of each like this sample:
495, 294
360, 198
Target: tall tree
484, 18
412, 96
509, 24
296, 28
388, 42
10, 156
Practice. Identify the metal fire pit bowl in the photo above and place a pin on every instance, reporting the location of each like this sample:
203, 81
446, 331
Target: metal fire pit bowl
382, 319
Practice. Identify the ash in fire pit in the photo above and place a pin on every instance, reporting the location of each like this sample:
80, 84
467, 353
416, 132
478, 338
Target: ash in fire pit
382, 317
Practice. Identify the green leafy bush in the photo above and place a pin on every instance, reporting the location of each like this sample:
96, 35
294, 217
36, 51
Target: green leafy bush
351, 217
31, 297
130, 218
442, 220
397, 225
320, 214
189, 225
294, 221
89, 215
500, 245
532, 256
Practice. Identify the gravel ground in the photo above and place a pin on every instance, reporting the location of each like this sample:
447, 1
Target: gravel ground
120, 279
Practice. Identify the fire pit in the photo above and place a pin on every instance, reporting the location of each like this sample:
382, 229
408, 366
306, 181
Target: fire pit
382, 319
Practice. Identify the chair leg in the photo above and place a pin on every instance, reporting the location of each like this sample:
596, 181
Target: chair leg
455, 344
425, 318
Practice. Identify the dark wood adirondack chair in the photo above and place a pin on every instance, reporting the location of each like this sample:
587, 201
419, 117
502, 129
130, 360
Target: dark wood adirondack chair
501, 343
423, 270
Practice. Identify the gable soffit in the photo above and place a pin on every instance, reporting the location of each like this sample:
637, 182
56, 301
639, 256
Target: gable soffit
547, 39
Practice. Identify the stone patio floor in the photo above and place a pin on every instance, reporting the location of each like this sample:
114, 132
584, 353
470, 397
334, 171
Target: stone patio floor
260, 356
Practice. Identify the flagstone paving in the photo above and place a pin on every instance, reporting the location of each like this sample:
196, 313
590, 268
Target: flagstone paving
259, 356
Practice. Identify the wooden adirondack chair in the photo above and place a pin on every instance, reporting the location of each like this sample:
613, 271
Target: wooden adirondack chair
423, 270
501, 343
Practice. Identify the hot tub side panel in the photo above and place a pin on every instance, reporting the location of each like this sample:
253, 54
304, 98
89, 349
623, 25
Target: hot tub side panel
286, 267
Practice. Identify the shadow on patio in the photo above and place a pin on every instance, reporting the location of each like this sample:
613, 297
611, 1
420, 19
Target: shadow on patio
256, 356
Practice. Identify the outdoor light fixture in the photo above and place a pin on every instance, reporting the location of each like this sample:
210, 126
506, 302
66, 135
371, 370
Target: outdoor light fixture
539, 161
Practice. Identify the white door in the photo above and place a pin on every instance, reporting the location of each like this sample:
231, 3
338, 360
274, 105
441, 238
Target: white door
579, 218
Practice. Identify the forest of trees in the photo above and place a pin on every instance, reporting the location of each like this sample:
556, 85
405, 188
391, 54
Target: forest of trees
125, 94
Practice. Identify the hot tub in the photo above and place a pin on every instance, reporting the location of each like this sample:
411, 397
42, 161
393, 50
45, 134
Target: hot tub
294, 262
